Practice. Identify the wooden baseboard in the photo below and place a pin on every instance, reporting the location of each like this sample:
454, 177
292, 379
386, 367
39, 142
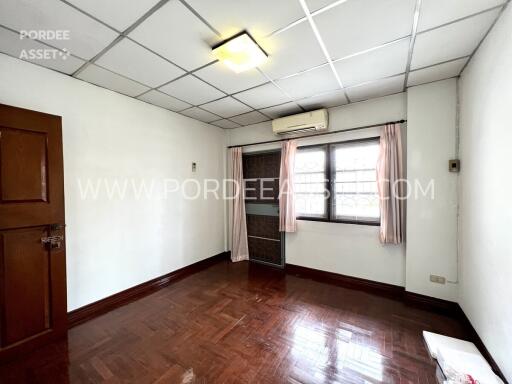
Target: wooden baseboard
102, 306
432, 304
389, 290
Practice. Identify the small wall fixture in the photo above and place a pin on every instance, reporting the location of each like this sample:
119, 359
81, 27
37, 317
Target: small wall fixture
454, 165
240, 52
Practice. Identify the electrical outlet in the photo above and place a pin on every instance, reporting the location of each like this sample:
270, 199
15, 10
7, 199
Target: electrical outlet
194, 167
438, 279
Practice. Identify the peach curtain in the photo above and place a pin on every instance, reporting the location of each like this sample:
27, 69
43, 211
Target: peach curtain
390, 182
239, 244
287, 220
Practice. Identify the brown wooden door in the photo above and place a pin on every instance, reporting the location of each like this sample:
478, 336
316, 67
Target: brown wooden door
32, 252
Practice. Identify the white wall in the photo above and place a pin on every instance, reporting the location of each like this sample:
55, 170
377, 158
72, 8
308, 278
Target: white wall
431, 240
115, 244
347, 249
486, 213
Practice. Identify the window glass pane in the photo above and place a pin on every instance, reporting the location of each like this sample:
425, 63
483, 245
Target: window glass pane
310, 188
355, 181
311, 205
310, 179
310, 160
357, 206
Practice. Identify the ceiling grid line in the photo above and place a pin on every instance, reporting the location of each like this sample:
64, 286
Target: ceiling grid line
130, 29
270, 80
321, 10
313, 26
273, 82
198, 15
439, 63
416, 19
245, 113
187, 73
91, 16
309, 17
486, 34
303, 19
177, 78
502, 5
123, 34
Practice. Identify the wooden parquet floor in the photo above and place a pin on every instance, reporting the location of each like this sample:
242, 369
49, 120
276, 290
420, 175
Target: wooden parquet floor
241, 323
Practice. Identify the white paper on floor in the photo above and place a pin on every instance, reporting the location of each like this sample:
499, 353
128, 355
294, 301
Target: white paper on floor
435, 341
459, 358
457, 366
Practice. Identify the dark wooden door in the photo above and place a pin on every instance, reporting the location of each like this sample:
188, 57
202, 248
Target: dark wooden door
261, 174
33, 307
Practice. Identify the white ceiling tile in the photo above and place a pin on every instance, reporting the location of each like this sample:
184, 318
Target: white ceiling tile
437, 72
177, 34
199, 114
131, 60
438, 12
282, 110
11, 44
376, 88
315, 5
326, 100
87, 37
263, 96
291, 51
259, 17
119, 14
451, 41
355, 26
253, 117
192, 90
310, 83
226, 107
106, 79
377, 64
165, 101
227, 80
227, 124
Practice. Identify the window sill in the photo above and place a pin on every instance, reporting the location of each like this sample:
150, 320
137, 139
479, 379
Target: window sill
368, 223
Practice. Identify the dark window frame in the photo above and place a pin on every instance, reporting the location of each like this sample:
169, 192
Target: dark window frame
330, 180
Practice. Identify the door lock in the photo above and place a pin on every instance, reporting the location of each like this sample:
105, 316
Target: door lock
53, 242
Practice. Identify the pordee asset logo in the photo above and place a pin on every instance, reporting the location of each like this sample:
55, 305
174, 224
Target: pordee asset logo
47, 53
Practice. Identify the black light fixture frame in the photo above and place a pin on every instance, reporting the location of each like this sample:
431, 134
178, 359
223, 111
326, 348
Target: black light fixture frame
244, 32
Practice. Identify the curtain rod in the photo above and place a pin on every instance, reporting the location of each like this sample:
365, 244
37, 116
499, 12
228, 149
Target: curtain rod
318, 134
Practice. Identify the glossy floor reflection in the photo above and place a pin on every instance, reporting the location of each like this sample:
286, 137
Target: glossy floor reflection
235, 323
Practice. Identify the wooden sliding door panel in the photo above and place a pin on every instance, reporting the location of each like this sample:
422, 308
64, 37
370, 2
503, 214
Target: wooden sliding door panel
261, 172
263, 226
33, 307
266, 251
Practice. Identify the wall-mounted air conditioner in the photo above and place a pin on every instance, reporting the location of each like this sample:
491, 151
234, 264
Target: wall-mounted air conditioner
304, 122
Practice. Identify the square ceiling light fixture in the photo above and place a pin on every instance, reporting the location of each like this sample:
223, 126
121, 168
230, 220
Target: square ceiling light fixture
240, 52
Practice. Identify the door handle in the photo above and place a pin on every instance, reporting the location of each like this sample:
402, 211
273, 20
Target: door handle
53, 242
